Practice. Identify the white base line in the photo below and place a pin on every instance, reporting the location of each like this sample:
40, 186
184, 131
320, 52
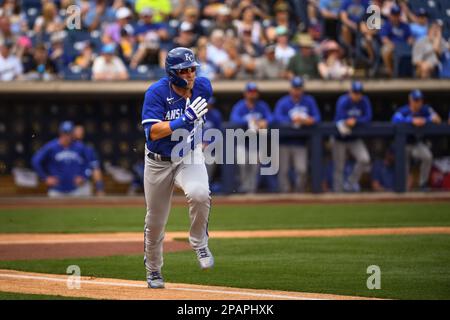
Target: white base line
261, 295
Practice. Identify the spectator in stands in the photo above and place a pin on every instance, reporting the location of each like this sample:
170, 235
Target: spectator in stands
395, 35
283, 51
223, 21
418, 114
191, 16
86, 58
427, 52
369, 37
296, 109
146, 25
352, 109
56, 51
10, 66
97, 13
383, 172
93, 168
108, 66
161, 8
115, 30
49, 21
333, 66
254, 114
329, 12
281, 20
216, 52
17, 18
61, 164
304, 63
41, 67
186, 37
179, 7
206, 69
233, 67
5, 30
419, 26
268, 67
247, 47
351, 14
247, 21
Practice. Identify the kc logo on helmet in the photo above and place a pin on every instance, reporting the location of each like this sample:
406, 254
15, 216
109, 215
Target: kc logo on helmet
189, 57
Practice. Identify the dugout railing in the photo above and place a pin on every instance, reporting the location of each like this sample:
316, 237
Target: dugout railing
316, 134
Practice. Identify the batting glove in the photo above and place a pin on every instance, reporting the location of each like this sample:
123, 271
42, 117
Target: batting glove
196, 110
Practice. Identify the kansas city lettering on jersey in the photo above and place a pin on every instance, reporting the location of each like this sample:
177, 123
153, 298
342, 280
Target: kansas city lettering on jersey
68, 155
172, 114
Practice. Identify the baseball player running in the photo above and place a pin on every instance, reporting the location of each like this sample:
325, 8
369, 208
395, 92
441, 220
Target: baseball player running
177, 101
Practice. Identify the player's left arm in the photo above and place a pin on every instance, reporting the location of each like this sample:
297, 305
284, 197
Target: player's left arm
367, 112
433, 116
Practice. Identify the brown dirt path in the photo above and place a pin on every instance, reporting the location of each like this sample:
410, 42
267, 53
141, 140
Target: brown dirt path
59, 246
102, 288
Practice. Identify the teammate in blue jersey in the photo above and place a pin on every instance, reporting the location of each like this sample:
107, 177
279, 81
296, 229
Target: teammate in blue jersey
62, 163
93, 166
418, 114
298, 110
352, 109
176, 102
253, 114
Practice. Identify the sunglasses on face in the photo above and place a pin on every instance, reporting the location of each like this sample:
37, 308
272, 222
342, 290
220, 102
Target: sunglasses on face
187, 70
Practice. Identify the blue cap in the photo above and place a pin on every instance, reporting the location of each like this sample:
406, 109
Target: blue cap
109, 48
251, 86
422, 12
395, 9
416, 94
297, 82
66, 127
357, 86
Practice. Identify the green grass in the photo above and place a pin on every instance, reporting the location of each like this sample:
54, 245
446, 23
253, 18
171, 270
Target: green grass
412, 267
22, 296
73, 220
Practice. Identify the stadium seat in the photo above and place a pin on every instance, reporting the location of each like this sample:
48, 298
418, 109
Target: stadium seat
74, 73
403, 67
142, 72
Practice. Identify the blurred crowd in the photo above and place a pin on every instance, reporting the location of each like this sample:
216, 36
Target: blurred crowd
245, 39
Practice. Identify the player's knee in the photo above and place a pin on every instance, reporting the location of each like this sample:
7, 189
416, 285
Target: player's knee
364, 160
197, 193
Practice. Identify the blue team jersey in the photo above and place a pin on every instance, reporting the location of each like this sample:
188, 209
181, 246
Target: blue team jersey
161, 103
399, 33
355, 9
64, 163
346, 108
241, 113
286, 108
384, 174
405, 115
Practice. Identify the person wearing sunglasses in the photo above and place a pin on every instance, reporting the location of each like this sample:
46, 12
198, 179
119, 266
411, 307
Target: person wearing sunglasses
175, 103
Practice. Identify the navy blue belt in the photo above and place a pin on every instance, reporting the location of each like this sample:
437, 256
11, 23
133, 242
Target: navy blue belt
158, 157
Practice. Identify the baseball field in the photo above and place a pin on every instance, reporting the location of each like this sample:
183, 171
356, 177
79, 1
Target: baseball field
312, 248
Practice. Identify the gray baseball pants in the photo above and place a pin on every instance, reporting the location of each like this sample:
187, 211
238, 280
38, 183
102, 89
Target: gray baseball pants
296, 156
420, 151
160, 177
358, 150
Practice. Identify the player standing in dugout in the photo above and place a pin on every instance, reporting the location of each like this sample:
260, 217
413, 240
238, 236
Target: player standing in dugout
177, 101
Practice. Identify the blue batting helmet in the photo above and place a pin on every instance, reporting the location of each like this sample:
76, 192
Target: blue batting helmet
177, 59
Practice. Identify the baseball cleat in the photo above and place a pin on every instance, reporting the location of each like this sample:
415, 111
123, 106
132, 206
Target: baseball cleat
205, 258
155, 280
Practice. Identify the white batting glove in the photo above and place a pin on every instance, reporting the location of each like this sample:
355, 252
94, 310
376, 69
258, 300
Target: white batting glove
196, 109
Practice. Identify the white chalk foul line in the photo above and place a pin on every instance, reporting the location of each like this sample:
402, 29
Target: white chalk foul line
117, 284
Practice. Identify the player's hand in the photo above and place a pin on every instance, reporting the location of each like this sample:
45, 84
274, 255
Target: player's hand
51, 181
350, 122
418, 121
196, 109
78, 180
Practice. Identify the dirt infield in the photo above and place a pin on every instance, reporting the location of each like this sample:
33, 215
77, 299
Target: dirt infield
102, 288
59, 246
